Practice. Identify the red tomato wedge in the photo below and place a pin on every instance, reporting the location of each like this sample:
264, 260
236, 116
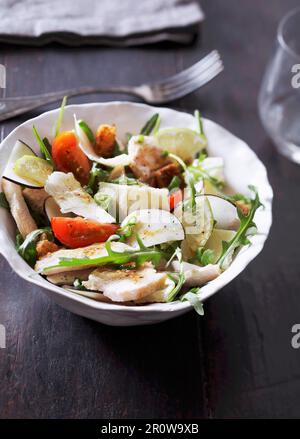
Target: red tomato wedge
68, 157
174, 199
80, 232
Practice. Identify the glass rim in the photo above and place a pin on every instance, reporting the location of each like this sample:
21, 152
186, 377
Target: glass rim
281, 39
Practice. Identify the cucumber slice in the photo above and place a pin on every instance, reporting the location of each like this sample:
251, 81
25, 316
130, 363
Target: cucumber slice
33, 169
215, 241
19, 150
183, 142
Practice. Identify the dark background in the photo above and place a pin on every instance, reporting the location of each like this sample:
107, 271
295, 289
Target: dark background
236, 361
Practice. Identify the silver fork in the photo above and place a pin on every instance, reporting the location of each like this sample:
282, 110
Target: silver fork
166, 90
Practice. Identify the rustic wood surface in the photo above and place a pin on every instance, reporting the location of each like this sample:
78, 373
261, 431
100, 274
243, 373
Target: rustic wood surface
237, 361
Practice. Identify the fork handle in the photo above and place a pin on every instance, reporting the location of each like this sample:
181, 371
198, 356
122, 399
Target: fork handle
10, 107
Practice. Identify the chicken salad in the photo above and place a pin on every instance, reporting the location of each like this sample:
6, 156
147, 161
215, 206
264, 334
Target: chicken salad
132, 221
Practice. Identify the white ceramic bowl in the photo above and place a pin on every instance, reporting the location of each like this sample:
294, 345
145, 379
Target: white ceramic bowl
242, 167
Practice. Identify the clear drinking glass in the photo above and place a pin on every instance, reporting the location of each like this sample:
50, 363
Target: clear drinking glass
279, 97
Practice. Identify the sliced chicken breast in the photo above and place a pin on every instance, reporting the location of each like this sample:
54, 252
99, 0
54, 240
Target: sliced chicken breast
70, 196
159, 296
126, 285
196, 276
18, 207
68, 277
146, 158
91, 252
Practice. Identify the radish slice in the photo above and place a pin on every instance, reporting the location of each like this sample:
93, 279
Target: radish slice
19, 150
86, 146
154, 227
224, 213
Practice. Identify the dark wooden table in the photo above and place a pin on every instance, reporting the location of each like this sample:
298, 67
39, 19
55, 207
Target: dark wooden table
237, 361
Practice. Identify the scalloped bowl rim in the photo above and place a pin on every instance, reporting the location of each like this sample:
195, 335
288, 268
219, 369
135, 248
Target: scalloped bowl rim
242, 259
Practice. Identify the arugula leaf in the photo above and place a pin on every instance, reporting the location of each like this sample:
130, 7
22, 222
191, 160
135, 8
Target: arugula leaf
201, 155
126, 231
205, 256
193, 297
27, 249
151, 125
198, 117
3, 201
175, 183
44, 150
103, 200
139, 257
123, 179
96, 174
190, 180
60, 116
198, 172
247, 228
47, 144
19, 240
77, 284
157, 125
178, 278
86, 129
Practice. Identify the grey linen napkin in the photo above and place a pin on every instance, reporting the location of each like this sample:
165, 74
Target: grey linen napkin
113, 22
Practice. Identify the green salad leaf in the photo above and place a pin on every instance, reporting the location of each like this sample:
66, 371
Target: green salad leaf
198, 117
97, 174
19, 240
152, 125
27, 248
103, 200
87, 131
60, 116
178, 278
77, 284
190, 180
124, 179
247, 228
47, 144
126, 231
3, 201
205, 256
199, 173
174, 184
44, 150
192, 296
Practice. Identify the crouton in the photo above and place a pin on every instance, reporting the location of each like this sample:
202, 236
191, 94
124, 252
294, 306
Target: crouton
164, 175
43, 247
146, 161
105, 140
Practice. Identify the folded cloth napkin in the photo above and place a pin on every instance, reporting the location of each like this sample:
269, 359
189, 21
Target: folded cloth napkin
113, 22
